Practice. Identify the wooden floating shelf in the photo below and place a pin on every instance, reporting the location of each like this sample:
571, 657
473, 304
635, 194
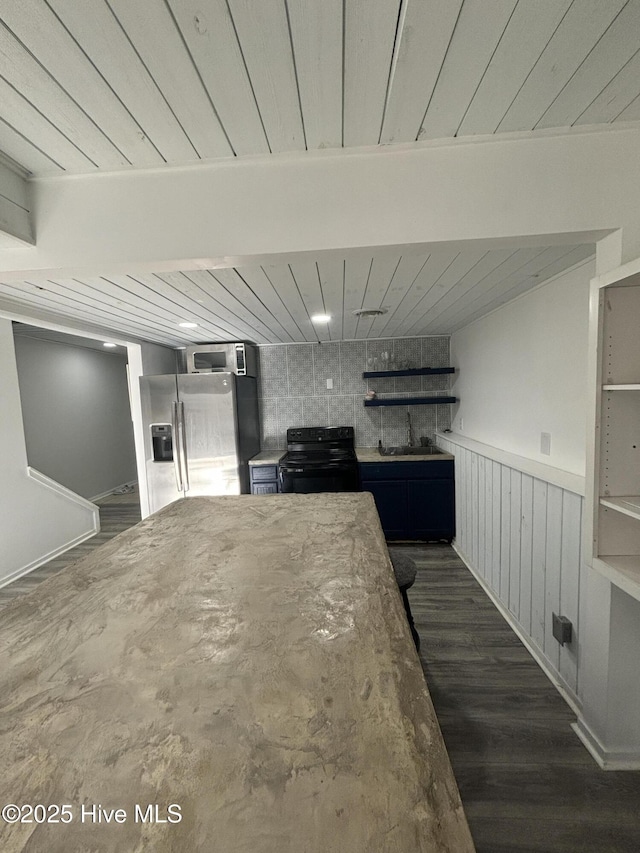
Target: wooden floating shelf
410, 401
414, 371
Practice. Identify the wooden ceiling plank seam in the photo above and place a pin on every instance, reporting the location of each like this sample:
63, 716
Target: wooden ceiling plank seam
479, 28
579, 30
383, 272
482, 76
316, 31
210, 36
609, 54
180, 288
631, 112
78, 291
424, 43
395, 50
312, 329
521, 259
22, 306
96, 28
24, 72
375, 272
259, 283
436, 266
36, 26
532, 273
356, 274
144, 135
109, 286
257, 300
266, 46
200, 78
616, 96
579, 253
463, 264
235, 289
485, 266
285, 286
36, 125
330, 280
68, 309
163, 52
295, 74
528, 33
370, 29
15, 145
305, 274
404, 276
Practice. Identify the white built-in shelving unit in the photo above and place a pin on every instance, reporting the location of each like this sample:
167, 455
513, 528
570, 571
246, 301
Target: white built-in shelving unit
616, 499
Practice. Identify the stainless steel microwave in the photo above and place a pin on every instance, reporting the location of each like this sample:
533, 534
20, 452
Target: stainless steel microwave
239, 358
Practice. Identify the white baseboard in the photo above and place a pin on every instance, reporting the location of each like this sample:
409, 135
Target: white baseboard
553, 675
113, 490
606, 759
19, 573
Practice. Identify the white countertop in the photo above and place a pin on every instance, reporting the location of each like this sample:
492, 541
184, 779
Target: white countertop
371, 454
267, 457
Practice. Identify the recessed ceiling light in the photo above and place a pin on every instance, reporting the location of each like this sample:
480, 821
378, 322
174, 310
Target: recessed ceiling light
321, 318
109, 345
188, 325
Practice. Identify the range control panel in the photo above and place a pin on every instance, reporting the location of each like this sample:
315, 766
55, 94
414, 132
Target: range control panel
319, 434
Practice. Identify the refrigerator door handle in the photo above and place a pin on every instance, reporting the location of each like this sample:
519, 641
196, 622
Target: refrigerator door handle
183, 449
176, 446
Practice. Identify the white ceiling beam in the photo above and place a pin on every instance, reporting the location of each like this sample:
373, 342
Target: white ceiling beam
15, 218
581, 185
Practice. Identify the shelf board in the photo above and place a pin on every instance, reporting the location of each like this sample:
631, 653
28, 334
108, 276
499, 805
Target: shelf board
630, 386
414, 371
626, 504
410, 401
621, 570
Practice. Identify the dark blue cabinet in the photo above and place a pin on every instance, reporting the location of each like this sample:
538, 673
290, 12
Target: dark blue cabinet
415, 500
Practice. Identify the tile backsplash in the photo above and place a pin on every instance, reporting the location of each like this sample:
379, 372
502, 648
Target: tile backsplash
293, 388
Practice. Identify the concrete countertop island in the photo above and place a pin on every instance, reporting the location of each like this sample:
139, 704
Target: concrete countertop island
239, 662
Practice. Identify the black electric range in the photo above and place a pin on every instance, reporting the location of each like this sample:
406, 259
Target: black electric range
319, 459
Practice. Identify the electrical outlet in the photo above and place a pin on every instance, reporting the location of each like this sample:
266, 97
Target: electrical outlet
545, 443
329, 384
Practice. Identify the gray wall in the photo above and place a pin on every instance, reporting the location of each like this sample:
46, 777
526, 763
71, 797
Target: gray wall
293, 388
77, 420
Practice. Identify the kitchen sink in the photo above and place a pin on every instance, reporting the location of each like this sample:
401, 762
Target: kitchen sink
406, 450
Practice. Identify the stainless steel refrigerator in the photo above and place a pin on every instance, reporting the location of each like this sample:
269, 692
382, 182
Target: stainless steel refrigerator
200, 430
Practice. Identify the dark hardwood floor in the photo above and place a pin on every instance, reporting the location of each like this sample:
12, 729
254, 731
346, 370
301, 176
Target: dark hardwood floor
117, 513
527, 783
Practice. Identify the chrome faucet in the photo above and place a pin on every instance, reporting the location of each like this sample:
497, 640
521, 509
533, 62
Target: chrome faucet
409, 430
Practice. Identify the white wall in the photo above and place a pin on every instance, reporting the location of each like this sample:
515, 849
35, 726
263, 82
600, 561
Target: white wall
75, 407
523, 370
37, 522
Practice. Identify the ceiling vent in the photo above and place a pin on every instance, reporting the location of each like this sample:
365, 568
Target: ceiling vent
369, 312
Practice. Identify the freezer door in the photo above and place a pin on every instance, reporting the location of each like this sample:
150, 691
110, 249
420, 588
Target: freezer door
208, 406
162, 463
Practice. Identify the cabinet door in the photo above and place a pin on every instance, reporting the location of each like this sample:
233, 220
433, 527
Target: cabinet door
431, 509
391, 501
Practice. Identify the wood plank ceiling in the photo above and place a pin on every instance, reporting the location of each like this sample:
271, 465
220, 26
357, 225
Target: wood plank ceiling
111, 84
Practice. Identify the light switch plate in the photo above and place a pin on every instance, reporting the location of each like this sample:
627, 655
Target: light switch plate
545, 443
329, 384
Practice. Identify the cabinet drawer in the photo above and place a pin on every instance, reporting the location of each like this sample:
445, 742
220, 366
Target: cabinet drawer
263, 472
264, 488
440, 469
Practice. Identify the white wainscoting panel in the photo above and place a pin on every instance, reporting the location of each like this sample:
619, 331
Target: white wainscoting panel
521, 536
